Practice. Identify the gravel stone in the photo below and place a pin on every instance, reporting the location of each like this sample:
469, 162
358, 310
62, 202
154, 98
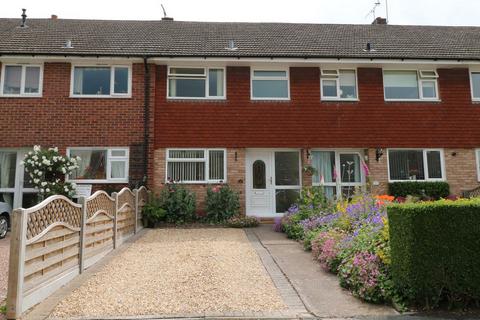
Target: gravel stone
177, 271
4, 254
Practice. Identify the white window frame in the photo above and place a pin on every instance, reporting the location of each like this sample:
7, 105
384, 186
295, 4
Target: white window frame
206, 74
327, 76
421, 77
470, 73
425, 164
339, 184
22, 93
112, 81
253, 77
108, 169
205, 159
477, 164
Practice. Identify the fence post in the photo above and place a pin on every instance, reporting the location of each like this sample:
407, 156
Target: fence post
135, 193
83, 228
16, 264
115, 196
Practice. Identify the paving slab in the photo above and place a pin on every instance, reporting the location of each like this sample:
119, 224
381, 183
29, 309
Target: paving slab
319, 290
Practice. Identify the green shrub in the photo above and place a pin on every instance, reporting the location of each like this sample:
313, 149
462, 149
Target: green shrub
179, 204
243, 222
222, 203
435, 251
435, 190
153, 213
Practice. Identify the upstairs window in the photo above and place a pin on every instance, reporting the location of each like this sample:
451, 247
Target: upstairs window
410, 85
338, 84
101, 81
21, 80
415, 164
270, 85
98, 165
475, 80
196, 83
196, 165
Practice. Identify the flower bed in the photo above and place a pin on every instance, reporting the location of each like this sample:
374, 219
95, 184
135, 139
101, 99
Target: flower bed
350, 239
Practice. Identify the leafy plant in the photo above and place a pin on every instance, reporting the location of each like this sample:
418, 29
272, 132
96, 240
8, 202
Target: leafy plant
425, 190
243, 222
46, 169
222, 203
153, 213
178, 202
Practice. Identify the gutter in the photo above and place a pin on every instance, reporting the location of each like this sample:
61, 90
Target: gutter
146, 119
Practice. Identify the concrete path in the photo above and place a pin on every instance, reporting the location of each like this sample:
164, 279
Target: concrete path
319, 290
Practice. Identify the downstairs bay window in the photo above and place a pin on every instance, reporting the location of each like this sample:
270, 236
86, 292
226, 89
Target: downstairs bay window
196, 165
416, 164
339, 172
100, 165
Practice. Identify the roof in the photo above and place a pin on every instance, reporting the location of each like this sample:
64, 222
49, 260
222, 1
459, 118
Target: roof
200, 39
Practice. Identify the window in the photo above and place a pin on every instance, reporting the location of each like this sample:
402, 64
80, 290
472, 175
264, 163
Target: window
103, 81
270, 85
21, 80
475, 81
196, 83
101, 165
415, 164
196, 165
338, 172
338, 84
410, 85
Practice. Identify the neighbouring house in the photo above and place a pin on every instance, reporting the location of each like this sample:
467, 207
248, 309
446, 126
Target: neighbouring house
248, 104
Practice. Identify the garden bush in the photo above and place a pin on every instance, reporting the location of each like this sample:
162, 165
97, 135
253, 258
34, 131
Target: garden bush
243, 222
178, 202
222, 203
153, 213
424, 190
435, 251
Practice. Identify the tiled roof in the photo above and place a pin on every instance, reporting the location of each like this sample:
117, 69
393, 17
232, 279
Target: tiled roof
181, 38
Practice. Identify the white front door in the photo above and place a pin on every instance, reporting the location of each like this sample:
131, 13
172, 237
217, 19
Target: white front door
273, 181
259, 183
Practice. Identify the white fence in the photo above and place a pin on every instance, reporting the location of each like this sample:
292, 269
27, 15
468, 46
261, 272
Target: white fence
56, 240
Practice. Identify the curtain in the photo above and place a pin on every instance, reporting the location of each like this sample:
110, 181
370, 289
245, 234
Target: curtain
86, 156
7, 163
117, 169
322, 161
78, 80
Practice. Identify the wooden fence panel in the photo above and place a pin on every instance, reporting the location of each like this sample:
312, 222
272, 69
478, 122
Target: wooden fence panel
54, 241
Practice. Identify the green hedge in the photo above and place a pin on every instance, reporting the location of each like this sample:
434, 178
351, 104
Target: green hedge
435, 249
436, 190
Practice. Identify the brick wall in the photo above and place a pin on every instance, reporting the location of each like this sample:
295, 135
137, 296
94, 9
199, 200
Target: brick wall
235, 176
55, 119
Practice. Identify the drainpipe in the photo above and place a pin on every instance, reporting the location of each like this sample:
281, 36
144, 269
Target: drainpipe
146, 119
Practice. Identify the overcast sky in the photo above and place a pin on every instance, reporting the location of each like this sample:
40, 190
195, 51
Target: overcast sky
426, 12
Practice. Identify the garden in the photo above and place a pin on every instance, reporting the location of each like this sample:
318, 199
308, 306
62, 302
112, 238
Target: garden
415, 251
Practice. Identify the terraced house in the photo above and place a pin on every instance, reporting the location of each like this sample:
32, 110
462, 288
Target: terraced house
254, 105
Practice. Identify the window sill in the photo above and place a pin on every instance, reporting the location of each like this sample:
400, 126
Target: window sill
19, 96
196, 99
100, 97
98, 181
338, 100
429, 180
414, 100
198, 182
270, 99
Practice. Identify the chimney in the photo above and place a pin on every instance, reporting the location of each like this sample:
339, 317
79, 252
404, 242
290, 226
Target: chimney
54, 17
379, 20
24, 18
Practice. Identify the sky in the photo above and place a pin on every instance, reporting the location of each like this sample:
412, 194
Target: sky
420, 12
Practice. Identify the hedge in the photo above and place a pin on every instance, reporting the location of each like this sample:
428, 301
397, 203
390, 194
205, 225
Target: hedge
435, 190
435, 251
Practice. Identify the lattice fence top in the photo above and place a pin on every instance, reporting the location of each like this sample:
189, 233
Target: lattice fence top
100, 201
58, 209
126, 196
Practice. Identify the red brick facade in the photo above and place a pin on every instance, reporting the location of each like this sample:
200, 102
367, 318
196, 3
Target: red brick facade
55, 119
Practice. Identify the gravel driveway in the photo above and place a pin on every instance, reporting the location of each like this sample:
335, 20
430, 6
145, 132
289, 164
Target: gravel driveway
177, 271
4, 253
